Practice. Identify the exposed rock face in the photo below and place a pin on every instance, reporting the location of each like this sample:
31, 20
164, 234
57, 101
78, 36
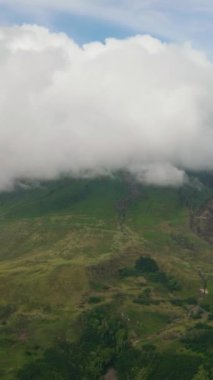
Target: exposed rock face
202, 221
132, 194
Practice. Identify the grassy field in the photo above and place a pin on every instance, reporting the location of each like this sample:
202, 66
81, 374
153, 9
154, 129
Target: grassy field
64, 249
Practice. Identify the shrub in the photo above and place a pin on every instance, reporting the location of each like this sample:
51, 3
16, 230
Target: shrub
146, 264
95, 299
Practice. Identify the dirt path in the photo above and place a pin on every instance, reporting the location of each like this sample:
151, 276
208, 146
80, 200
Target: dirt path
111, 375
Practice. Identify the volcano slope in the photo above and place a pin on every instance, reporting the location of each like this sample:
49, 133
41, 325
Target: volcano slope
105, 276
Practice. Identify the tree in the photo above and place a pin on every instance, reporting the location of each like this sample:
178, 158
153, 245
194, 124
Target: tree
202, 374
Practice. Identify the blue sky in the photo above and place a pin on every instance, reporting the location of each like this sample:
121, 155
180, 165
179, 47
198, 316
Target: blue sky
81, 27
89, 20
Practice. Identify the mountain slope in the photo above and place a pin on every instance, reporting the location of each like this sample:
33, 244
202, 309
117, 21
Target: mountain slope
71, 247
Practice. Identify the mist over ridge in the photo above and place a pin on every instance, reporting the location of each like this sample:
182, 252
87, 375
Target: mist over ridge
136, 104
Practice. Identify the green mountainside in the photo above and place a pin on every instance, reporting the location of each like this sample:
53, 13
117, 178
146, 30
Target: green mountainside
106, 278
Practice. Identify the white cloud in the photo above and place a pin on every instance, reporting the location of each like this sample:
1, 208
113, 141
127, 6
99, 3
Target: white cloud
138, 104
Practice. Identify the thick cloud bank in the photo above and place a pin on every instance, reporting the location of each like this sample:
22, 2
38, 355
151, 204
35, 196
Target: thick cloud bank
136, 104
